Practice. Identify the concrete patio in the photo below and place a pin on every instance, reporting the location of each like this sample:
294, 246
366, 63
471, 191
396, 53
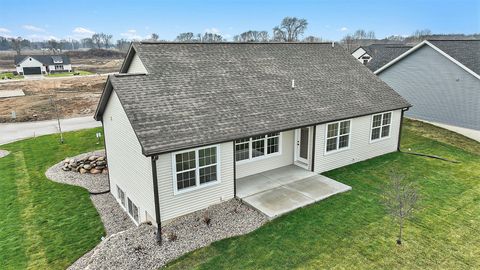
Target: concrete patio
285, 189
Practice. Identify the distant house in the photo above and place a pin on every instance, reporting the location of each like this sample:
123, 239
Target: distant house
42, 64
441, 78
187, 124
377, 55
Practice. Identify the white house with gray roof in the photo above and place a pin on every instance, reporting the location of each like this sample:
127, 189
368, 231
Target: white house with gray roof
42, 64
188, 125
441, 78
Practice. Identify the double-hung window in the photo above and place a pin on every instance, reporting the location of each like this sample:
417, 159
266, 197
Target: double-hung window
338, 136
381, 126
196, 167
257, 146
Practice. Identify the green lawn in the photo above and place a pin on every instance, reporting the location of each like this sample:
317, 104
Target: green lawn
10, 75
44, 225
66, 74
352, 231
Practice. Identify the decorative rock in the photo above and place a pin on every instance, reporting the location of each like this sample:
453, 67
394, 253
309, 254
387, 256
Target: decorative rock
105, 171
82, 170
87, 166
101, 163
101, 158
95, 171
92, 158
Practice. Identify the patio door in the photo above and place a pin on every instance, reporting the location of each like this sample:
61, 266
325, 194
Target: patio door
302, 146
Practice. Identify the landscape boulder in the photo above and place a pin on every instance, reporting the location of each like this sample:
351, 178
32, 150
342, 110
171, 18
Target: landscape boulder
94, 164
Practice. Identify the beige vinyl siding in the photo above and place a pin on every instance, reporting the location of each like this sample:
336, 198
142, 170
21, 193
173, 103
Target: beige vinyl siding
136, 66
175, 205
269, 163
128, 167
360, 146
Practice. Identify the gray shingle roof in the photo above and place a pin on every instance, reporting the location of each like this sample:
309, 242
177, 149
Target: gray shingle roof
44, 59
199, 94
382, 54
466, 52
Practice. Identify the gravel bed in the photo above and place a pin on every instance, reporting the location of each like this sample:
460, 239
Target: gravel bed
114, 218
3, 153
136, 248
92, 182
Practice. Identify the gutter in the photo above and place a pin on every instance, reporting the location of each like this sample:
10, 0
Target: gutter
157, 200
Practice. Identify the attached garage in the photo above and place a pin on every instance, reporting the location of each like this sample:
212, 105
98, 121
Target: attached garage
32, 70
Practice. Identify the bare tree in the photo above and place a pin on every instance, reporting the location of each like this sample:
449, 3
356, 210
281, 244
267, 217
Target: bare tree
312, 39
252, 36
16, 44
400, 199
54, 46
122, 45
290, 29
106, 39
212, 37
421, 34
185, 37
154, 36
97, 40
87, 43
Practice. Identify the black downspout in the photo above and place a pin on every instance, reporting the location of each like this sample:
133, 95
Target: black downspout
234, 173
313, 146
157, 200
400, 130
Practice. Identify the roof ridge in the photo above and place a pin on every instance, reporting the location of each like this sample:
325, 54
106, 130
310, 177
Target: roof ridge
119, 75
231, 42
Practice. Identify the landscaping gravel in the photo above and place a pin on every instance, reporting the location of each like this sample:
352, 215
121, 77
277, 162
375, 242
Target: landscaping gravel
136, 248
3, 153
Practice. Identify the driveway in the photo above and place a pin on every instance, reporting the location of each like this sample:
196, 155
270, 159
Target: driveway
18, 131
285, 189
467, 132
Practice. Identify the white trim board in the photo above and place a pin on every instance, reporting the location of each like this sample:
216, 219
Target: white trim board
418, 46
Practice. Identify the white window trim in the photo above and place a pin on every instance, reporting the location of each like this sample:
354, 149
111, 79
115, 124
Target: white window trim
197, 171
250, 159
128, 213
371, 127
326, 153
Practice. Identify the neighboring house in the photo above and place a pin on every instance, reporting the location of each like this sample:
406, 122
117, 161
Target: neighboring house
184, 122
441, 79
375, 56
42, 64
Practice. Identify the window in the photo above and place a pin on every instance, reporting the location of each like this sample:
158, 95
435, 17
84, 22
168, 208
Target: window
196, 167
338, 136
132, 210
58, 67
257, 146
121, 196
381, 125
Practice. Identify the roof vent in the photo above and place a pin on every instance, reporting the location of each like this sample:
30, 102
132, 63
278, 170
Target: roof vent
293, 84
333, 44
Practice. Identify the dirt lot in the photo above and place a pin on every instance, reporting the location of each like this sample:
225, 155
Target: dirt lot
76, 96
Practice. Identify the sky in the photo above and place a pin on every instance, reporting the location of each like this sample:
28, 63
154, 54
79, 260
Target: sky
64, 19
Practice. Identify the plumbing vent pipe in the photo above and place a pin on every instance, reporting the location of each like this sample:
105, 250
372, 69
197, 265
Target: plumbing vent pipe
293, 84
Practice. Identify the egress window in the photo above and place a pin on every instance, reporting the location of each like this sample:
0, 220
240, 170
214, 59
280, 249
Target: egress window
257, 146
338, 135
132, 210
196, 167
381, 125
121, 196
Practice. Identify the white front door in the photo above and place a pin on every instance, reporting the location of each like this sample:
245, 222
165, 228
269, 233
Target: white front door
302, 146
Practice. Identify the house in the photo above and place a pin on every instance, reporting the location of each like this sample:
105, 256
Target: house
375, 56
184, 123
441, 78
42, 64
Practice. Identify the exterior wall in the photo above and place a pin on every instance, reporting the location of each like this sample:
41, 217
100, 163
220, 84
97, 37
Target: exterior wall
360, 146
439, 90
136, 66
128, 167
174, 205
260, 165
30, 63
65, 68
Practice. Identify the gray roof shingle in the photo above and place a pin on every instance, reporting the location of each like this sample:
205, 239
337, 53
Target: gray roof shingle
44, 59
382, 54
199, 94
466, 52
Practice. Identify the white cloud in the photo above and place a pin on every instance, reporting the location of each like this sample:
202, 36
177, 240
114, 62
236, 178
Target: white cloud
83, 31
343, 29
212, 30
4, 30
131, 34
33, 28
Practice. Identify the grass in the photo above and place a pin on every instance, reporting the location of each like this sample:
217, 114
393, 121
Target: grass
66, 74
10, 75
45, 225
352, 230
